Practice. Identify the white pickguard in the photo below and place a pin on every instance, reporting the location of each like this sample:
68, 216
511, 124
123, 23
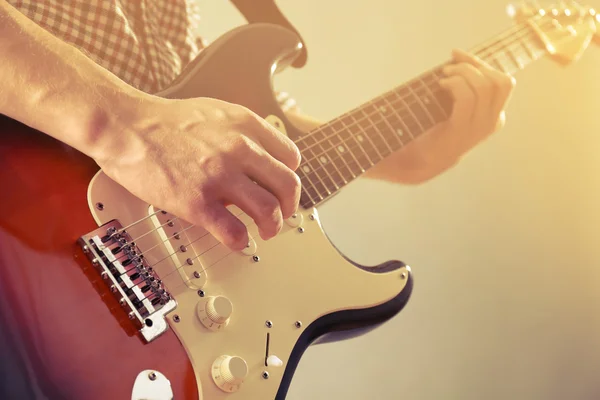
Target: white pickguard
300, 277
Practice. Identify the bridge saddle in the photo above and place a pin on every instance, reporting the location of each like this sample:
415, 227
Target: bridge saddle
121, 264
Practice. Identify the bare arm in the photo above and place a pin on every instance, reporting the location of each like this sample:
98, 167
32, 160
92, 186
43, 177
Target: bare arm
53, 87
190, 157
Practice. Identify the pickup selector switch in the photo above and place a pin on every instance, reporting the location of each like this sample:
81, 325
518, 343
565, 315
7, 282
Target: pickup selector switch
229, 372
214, 312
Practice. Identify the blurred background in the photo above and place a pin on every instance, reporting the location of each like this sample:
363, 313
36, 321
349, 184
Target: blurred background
504, 247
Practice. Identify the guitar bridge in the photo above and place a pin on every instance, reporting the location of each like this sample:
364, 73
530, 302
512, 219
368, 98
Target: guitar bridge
134, 283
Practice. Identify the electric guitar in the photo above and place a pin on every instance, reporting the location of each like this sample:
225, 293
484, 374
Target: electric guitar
111, 298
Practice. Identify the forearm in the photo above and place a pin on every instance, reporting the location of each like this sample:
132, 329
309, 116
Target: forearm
54, 88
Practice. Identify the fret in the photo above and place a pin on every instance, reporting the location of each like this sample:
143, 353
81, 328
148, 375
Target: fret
327, 161
532, 47
410, 114
505, 62
353, 162
401, 130
353, 143
422, 103
524, 43
388, 122
309, 164
522, 58
443, 97
429, 88
315, 180
308, 187
496, 62
500, 60
312, 188
309, 193
514, 58
384, 126
324, 160
363, 141
362, 116
347, 164
343, 149
377, 135
319, 162
333, 155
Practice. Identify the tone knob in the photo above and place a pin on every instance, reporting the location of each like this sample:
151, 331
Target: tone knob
229, 372
215, 312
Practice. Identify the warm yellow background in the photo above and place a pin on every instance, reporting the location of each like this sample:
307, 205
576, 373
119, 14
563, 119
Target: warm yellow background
504, 247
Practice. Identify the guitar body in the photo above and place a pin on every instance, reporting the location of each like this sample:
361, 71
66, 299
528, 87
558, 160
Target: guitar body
73, 334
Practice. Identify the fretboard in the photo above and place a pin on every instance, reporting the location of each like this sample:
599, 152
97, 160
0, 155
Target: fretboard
341, 150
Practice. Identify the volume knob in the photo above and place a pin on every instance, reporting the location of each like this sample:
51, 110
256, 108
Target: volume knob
215, 312
229, 372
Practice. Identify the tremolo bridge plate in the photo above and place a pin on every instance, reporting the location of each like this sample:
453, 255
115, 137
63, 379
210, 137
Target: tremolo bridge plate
122, 266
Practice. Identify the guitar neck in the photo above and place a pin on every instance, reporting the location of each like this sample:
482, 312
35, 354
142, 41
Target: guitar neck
343, 149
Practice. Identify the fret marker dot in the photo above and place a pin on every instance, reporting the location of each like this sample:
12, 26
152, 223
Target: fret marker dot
426, 100
341, 149
360, 138
306, 168
323, 159
400, 132
382, 109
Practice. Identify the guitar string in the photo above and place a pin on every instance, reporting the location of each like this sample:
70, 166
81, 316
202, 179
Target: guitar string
326, 138
207, 267
156, 245
163, 277
353, 142
497, 42
493, 41
501, 43
185, 244
204, 269
160, 226
135, 223
333, 180
518, 40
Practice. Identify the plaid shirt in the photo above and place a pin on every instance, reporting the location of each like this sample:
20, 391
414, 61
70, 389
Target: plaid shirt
146, 43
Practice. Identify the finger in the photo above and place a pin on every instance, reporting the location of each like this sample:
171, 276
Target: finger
504, 83
279, 180
464, 100
278, 145
462, 56
257, 203
224, 226
483, 89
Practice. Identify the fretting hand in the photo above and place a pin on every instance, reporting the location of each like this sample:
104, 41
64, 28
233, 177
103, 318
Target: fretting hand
480, 95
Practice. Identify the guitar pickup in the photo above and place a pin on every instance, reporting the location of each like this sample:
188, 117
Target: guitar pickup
134, 283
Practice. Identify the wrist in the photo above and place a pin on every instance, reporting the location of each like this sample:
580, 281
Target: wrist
111, 126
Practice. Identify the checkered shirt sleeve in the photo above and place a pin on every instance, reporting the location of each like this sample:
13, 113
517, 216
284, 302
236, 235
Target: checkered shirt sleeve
146, 43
